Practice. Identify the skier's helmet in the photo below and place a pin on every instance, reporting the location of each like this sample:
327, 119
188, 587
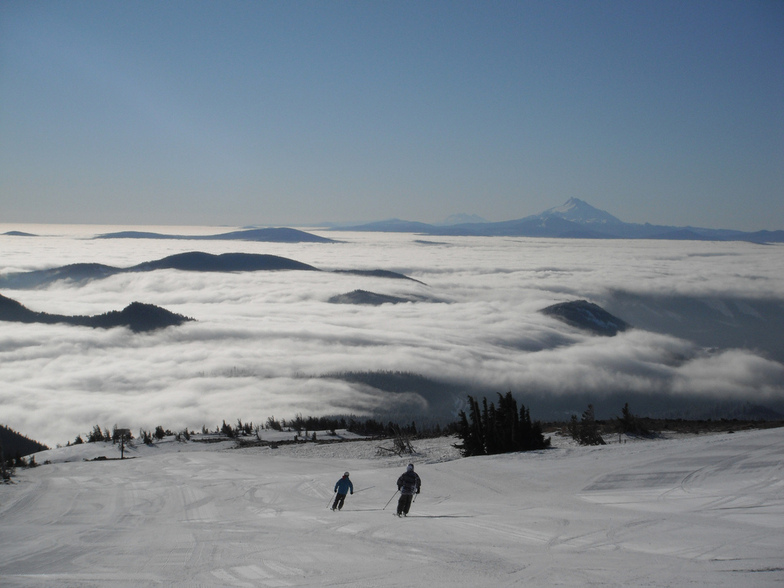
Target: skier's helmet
410, 467
345, 474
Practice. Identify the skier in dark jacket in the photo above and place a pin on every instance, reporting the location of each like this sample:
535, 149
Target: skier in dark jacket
342, 487
408, 484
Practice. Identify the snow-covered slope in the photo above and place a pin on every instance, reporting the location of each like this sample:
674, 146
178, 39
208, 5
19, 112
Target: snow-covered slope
700, 511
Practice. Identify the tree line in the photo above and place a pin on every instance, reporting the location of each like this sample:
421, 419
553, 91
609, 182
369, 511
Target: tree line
302, 426
487, 429
586, 431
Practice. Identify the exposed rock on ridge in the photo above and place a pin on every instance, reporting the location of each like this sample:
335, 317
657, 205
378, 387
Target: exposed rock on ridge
587, 316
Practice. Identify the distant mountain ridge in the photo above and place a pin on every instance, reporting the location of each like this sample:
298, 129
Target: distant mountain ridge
19, 234
137, 316
575, 219
363, 297
225, 262
193, 261
378, 274
267, 235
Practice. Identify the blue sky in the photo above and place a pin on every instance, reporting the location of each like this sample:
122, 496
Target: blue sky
279, 113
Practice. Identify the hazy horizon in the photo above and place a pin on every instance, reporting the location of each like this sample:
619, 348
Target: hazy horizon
333, 224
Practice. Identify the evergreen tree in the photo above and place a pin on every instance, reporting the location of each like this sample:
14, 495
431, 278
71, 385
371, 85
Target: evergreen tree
5, 469
471, 445
227, 430
476, 425
488, 426
630, 424
574, 428
507, 425
589, 430
95, 435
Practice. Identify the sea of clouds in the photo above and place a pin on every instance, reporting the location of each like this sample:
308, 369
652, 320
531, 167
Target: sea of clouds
262, 340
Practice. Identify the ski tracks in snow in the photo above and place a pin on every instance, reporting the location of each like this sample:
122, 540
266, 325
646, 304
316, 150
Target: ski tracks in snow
265, 573
701, 512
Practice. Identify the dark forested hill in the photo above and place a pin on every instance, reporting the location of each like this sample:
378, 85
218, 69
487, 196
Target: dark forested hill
367, 298
268, 235
136, 316
192, 261
378, 274
226, 262
15, 444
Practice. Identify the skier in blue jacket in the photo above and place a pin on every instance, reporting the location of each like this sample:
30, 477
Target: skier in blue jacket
342, 487
408, 484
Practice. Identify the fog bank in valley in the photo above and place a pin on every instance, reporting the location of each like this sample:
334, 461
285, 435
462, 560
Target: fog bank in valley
706, 317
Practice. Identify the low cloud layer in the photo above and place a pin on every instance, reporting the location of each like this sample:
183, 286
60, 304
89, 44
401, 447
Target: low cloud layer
262, 338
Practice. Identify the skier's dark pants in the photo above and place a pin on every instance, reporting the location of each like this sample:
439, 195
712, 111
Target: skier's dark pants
339, 500
404, 503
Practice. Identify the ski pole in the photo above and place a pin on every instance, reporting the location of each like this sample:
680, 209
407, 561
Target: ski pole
390, 500
330, 501
363, 489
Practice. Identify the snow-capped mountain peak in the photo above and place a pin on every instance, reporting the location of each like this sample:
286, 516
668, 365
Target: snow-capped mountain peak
579, 211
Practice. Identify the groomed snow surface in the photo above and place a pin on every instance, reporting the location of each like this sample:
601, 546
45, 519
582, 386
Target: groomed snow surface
705, 510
